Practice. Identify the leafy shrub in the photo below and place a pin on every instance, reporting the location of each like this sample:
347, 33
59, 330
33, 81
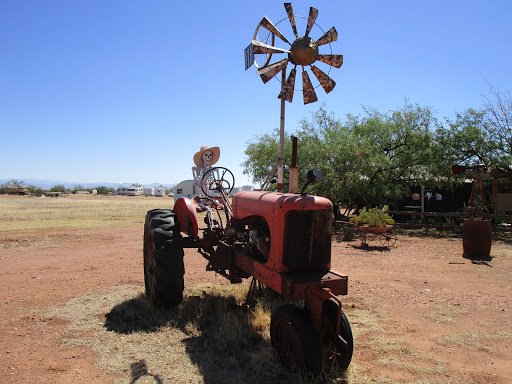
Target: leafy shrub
373, 217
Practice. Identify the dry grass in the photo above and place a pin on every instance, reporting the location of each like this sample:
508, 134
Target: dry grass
213, 338
76, 212
472, 340
446, 313
373, 334
398, 354
210, 338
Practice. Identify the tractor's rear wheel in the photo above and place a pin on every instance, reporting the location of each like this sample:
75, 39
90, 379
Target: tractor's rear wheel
163, 258
336, 351
295, 340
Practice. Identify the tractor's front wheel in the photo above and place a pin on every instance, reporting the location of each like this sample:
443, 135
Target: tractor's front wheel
336, 350
295, 340
163, 258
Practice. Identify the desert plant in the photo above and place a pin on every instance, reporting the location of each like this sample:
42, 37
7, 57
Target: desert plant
373, 217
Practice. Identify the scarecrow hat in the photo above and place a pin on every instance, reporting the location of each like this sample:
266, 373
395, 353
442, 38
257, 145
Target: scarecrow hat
216, 154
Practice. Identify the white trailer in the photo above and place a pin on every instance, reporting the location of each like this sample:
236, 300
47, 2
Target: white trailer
130, 191
186, 188
149, 191
159, 191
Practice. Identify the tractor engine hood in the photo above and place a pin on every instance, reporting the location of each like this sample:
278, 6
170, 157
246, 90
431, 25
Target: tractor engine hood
263, 203
300, 227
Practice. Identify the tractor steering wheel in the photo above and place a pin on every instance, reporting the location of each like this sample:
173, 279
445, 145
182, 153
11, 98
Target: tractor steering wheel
217, 179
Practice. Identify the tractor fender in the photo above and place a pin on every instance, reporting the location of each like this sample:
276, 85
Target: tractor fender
185, 211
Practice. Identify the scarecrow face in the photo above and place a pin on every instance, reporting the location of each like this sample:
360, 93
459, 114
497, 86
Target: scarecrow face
207, 157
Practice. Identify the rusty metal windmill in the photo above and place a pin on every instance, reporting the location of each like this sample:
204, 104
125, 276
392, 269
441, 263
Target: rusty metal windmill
303, 52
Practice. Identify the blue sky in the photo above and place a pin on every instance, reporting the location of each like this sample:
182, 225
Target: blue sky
128, 91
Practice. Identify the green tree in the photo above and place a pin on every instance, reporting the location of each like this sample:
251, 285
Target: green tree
371, 159
102, 190
465, 140
78, 187
498, 119
398, 151
58, 188
262, 154
35, 190
327, 144
9, 185
481, 137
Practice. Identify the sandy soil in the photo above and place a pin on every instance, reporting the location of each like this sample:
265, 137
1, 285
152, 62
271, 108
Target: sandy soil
423, 288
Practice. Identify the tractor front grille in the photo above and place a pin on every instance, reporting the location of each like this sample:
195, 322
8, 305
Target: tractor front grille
307, 239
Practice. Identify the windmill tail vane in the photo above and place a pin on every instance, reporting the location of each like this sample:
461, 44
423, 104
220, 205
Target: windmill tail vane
303, 52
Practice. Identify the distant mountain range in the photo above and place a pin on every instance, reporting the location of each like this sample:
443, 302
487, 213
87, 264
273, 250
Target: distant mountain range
47, 184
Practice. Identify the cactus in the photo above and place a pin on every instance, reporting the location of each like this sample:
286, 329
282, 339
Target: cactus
373, 217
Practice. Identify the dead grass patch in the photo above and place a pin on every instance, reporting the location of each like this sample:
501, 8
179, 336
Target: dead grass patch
399, 355
365, 318
472, 340
210, 338
446, 313
26, 242
373, 333
35, 213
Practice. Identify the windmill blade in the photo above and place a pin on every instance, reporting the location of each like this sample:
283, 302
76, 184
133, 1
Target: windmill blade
288, 87
268, 72
328, 37
291, 16
307, 89
325, 81
261, 48
332, 60
268, 25
313, 13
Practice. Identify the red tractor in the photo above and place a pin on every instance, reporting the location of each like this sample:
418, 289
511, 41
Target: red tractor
282, 240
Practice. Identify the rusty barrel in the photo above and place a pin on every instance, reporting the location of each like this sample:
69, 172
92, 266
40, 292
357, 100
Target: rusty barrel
477, 239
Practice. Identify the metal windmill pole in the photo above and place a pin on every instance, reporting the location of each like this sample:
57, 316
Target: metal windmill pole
280, 171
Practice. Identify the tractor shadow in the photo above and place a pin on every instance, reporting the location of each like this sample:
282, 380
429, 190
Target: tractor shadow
135, 315
219, 336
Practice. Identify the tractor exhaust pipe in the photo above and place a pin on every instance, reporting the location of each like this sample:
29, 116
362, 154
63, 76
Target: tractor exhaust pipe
294, 170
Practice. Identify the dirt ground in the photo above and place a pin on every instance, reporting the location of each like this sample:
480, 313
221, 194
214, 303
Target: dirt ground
449, 310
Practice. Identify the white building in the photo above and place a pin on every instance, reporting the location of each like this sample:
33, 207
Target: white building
242, 189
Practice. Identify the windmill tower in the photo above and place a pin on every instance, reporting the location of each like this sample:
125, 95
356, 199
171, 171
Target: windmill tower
301, 54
